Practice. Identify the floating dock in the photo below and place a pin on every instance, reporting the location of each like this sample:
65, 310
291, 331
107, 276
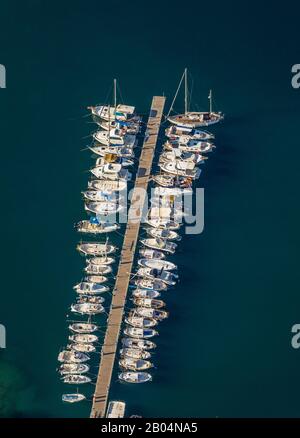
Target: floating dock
135, 213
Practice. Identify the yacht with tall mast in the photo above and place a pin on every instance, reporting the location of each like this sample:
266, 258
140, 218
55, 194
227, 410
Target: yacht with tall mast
192, 119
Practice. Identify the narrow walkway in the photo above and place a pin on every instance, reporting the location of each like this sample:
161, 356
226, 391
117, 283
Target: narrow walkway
114, 322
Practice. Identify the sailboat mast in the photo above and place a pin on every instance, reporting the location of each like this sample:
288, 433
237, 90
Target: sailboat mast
185, 92
115, 94
210, 101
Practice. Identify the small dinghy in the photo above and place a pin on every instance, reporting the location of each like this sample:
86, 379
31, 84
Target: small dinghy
99, 279
103, 208
157, 264
142, 344
158, 274
83, 338
97, 269
128, 363
164, 234
138, 321
102, 261
135, 353
89, 227
109, 186
76, 379
148, 253
135, 377
73, 368
160, 245
72, 357
150, 284
83, 348
135, 332
90, 288
147, 302
73, 398
95, 249
87, 308
83, 327
144, 293
151, 313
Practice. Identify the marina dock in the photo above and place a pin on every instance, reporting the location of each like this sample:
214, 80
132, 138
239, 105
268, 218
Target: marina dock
116, 312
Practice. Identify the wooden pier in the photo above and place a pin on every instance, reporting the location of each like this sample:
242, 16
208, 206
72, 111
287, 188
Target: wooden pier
115, 317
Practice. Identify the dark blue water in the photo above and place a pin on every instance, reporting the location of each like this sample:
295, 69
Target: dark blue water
225, 350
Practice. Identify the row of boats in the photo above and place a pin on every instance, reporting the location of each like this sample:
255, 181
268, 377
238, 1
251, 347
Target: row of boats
113, 148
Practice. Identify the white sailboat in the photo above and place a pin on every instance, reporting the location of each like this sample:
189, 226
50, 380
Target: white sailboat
193, 119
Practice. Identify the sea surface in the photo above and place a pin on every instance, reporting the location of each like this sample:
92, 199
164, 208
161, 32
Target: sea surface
225, 350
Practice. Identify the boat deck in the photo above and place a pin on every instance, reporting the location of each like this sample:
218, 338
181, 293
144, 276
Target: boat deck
114, 322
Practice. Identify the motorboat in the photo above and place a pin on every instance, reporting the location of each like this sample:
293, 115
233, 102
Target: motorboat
83, 338
103, 208
87, 308
175, 131
138, 321
114, 158
151, 313
135, 353
106, 169
73, 368
72, 357
116, 409
97, 269
170, 181
99, 279
73, 398
158, 274
164, 233
114, 137
83, 327
135, 377
120, 151
180, 157
144, 293
160, 245
90, 299
135, 332
185, 144
163, 223
142, 344
109, 186
148, 253
100, 196
101, 261
157, 264
76, 379
128, 363
84, 348
148, 302
88, 227
172, 191
150, 284
95, 248
181, 168
90, 288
